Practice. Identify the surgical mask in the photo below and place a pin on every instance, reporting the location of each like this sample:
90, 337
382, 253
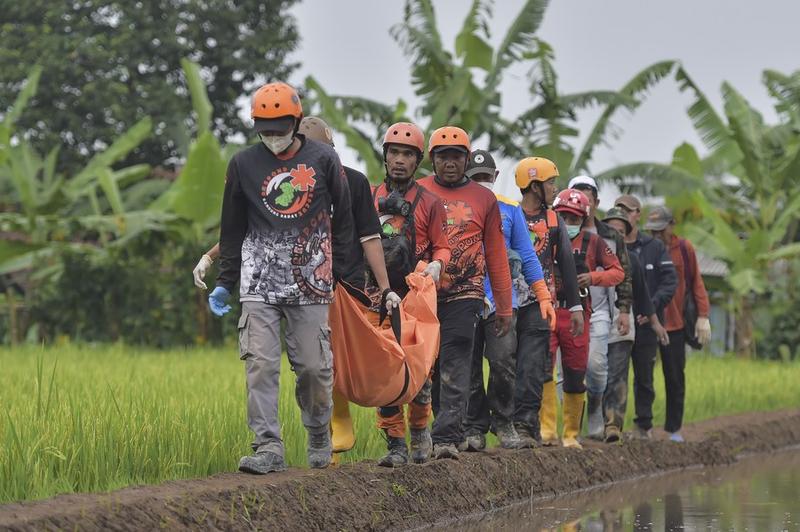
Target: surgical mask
486, 184
277, 144
573, 231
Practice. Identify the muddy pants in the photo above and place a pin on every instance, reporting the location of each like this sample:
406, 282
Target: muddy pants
451, 374
615, 399
308, 348
574, 351
533, 367
597, 367
673, 362
391, 419
493, 407
643, 358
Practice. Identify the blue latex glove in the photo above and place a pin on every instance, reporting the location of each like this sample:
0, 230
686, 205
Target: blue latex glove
217, 301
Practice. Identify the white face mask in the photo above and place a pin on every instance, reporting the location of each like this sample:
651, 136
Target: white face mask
486, 184
277, 144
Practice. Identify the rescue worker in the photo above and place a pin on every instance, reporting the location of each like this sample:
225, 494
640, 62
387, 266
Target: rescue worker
493, 408
661, 223
286, 206
661, 279
348, 264
604, 301
535, 390
477, 248
422, 231
596, 265
615, 398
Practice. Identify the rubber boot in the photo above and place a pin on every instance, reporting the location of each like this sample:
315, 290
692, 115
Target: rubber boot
547, 414
342, 435
573, 415
594, 416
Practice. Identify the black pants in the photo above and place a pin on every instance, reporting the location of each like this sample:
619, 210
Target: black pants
643, 356
451, 376
615, 398
494, 407
533, 367
673, 362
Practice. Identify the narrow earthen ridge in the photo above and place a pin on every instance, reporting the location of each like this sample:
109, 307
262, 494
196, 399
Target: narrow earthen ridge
364, 496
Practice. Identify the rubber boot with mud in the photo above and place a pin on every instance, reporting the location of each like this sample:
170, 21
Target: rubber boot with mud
342, 435
508, 437
594, 416
526, 439
613, 434
421, 445
476, 442
319, 449
573, 415
397, 455
547, 414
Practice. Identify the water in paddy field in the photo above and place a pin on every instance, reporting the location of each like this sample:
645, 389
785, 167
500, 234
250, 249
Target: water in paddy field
760, 493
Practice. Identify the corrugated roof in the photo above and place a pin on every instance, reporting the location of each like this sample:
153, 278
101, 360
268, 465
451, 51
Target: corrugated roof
709, 266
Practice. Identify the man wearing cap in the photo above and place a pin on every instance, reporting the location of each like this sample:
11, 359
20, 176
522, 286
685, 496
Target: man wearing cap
690, 290
285, 207
493, 408
474, 231
604, 300
615, 396
348, 263
661, 279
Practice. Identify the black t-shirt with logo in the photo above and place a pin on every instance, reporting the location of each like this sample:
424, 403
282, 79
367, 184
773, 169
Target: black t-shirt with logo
282, 219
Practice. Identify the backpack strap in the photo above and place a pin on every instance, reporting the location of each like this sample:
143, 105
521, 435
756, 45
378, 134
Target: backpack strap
552, 218
688, 267
410, 224
587, 237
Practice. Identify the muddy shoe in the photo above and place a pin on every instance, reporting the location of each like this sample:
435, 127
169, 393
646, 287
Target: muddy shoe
319, 450
508, 436
262, 463
475, 443
639, 433
526, 439
397, 455
445, 450
421, 445
612, 434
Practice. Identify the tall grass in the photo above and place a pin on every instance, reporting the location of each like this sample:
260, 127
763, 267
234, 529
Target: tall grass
98, 418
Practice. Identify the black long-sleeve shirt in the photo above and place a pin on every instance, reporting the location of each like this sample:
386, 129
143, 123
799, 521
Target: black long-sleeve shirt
642, 304
554, 250
281, 219
659, 271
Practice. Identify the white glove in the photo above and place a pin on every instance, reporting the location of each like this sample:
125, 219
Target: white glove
434, 269
392, 301
702, 330
201, 270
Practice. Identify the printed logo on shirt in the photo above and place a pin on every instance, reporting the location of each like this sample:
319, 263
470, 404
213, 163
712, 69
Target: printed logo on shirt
458, 212
649, 267
288, 193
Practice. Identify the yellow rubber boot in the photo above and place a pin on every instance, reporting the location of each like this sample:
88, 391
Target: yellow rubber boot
547, 414
342, 436
573, 415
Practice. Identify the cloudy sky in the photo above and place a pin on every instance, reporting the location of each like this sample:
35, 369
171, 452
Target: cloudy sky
598, 45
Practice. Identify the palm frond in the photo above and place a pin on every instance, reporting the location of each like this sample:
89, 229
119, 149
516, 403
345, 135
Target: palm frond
746, 126
518, 40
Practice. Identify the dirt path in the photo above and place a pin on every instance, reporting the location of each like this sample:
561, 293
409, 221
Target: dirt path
364, 496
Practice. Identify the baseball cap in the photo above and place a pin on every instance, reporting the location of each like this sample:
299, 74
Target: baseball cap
274, 125
658, 219
628, 201
480, 162
583, 181
440, 149
615, 213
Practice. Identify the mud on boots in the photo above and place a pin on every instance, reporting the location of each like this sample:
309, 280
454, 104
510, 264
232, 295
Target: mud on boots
493, 408
534, 394
260, 248
474, 229
595, 265
412, 230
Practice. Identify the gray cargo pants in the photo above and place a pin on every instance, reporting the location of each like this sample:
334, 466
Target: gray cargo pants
309, 351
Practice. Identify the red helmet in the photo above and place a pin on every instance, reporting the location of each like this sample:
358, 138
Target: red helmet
405, 133
573, 201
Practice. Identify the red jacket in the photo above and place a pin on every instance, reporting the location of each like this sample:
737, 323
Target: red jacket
673, 313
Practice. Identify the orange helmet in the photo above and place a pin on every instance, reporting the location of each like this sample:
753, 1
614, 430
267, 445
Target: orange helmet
276, 100
405, 133
574, 201
450, 136
532, 169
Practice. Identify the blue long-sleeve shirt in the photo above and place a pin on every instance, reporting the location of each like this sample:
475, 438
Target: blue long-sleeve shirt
518, 243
